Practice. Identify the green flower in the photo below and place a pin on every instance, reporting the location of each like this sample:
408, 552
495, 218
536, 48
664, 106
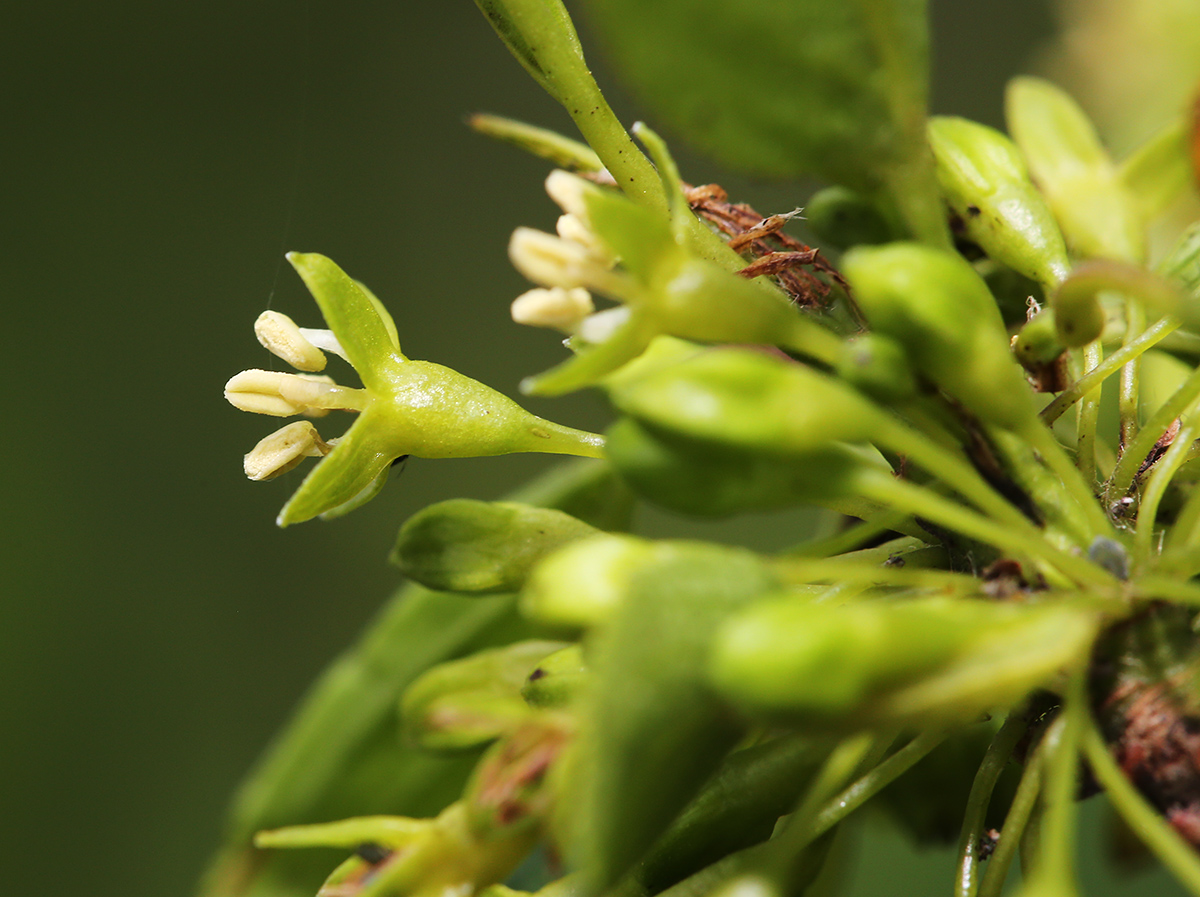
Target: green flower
644, 260
404, 407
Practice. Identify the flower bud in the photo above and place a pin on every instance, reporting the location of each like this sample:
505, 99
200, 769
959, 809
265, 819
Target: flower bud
468, 702
477, 546
557, 679
1038, 343
842, 218
878, 367
750, 400
281, 337
580, 585
936, 306
984, 181
1097, 215
921, 660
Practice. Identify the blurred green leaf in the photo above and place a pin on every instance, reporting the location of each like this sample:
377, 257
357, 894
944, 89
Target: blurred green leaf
653, 730
790, 87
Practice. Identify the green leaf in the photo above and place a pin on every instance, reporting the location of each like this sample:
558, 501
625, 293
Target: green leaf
790, 87
653, 731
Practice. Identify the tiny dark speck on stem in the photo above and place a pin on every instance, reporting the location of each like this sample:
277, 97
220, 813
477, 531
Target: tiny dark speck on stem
537, 674
972, 211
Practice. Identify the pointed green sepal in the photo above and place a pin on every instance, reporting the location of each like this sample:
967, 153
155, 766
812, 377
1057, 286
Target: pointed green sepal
593, 363
386, 831
359, 458
350, 314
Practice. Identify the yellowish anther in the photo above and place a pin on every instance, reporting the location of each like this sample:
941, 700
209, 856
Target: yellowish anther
283, 450
557, 308
568, 191
281, 337
553, 261
571, 228
275, 393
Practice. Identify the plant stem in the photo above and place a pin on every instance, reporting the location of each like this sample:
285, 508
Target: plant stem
876, 780
850, 538
1156, 487
1014, 823
1045, 444
1175, 853
954, 471
925, 503
1089, 415
805, 572
1127, 397
1057, 841
966, 883
1092, 378
1136, 452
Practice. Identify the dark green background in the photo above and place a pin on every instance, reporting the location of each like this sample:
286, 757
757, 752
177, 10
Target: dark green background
157, 159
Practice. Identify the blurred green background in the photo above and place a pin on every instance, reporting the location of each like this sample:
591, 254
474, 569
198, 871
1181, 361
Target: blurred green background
157, 160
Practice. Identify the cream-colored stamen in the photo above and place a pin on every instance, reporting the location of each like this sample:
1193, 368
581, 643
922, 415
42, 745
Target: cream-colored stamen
284, 449
262, 392
281, 337
569, 191
554, 262
557, 308
571, 228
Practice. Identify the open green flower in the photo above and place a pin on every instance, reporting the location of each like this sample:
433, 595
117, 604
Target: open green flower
642, 259
405, 407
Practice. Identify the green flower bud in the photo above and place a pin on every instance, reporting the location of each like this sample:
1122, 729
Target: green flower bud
749, 400
579, 585
509, 791
476, 546
1038, 343
468, 702
984, 181
557, 679
1097, 215
710, 480
842, 218
877, 366
923, 660
936, 306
